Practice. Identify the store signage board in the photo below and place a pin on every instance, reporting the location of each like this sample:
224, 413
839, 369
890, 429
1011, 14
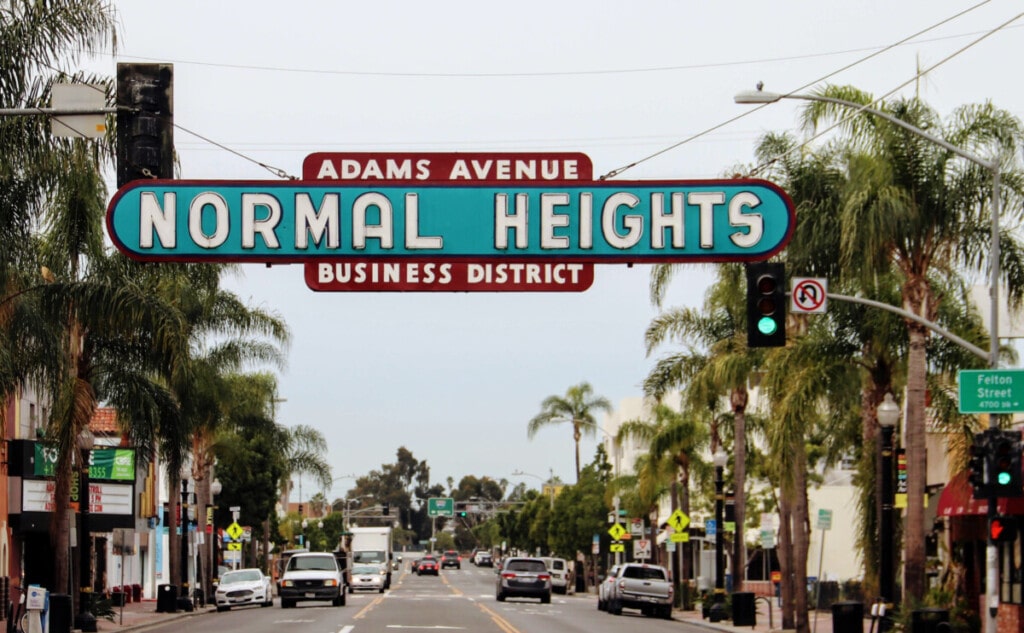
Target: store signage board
566, 221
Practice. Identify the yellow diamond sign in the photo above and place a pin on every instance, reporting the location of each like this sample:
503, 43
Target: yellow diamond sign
679, 521
235, 531
616, 531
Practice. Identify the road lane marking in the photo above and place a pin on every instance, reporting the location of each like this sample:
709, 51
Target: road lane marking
346, 629
362, 612
502, 623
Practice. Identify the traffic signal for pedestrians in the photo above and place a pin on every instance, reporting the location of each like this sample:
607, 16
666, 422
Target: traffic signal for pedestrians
145, 122
1002, 529
385, 508
1004, 461
976, 473
766, 305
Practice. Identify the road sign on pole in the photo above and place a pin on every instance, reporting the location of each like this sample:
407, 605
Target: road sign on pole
991, 390
440, 507
809, 295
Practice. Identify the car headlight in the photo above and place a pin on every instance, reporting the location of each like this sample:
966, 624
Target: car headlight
287, 583
330, 583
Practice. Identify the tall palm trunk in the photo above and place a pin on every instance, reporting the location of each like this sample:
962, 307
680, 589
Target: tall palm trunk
739, 559
576, 435
914, 552
173, 510
786, 583
801, 539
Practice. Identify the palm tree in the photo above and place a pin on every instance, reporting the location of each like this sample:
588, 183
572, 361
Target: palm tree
576, 407
677, 439
716, 363
915, 207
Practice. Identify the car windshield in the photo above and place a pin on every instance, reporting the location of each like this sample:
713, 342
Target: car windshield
451, 554
558, 564
365, 570
526, 565
318, 563
369, 556
243, 575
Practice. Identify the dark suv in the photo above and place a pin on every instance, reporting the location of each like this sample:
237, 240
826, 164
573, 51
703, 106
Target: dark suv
451, 558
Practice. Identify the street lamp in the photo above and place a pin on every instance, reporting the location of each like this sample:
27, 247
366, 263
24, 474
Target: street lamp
215, 489
717, 612
550, 482
183, 524
85, 620
888, 413
915, 513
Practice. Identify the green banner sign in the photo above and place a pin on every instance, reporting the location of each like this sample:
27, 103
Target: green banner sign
104, 463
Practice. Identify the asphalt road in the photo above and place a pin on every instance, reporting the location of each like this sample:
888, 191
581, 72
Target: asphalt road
457, 600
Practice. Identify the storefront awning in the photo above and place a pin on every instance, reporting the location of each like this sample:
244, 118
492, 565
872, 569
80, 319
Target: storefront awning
956, 500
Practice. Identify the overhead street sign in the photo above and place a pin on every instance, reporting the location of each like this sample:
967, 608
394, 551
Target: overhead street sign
569, 221
441, 507
448, 166
991, 390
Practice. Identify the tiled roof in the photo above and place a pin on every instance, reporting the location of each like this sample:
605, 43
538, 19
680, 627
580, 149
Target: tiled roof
104, 421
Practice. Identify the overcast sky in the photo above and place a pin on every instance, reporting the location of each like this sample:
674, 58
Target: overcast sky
456, 377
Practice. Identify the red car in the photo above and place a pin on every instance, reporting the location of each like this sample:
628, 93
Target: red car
428, 565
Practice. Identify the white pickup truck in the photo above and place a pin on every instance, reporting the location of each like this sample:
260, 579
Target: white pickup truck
644, 587
312, 576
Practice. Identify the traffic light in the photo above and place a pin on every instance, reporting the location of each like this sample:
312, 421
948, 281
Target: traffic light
145, 122
1004, 460
1002, 529
976, 474
300, 509
766, 305
385, 508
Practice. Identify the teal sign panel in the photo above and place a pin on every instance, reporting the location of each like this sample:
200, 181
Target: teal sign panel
991, 390
606, 221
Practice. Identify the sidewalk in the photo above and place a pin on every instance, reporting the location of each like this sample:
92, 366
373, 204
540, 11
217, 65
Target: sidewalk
139, 615
824, 620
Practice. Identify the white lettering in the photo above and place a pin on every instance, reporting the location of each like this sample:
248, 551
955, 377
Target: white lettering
265, 227
310, 220
413, 239
549, 220
327, 171
706, 201
634, 224
153, 218
753, 221
361, 230
195, 220
504, 221
673, 220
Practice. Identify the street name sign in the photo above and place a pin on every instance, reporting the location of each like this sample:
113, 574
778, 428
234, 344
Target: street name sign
447, 166
991, 390
567, 221
824, 519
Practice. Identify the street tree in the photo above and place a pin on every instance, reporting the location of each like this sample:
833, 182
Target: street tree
916, 207
577, 408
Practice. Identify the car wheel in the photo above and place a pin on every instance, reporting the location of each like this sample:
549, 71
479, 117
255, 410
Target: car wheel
341, 598
351, 590
381, 590
545, 599
220, 608
287, 604
500, 597
268, 603
600, 605
666, 612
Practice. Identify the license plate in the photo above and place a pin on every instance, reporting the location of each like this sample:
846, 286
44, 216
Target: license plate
310, 595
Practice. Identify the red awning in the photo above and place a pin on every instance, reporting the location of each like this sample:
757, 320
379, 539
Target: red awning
956, 500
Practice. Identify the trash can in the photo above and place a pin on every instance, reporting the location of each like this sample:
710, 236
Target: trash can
117, 598
847, 617
928, 620
136, 593
743, 610
60, 616
167, 599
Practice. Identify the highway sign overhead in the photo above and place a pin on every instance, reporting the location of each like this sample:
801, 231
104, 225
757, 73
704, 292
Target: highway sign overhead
440, 507
991, 390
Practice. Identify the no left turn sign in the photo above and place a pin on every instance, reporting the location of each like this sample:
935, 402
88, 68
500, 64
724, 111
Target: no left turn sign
809, 295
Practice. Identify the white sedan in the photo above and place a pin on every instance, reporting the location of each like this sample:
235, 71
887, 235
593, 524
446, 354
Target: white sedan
243, 587
369, 577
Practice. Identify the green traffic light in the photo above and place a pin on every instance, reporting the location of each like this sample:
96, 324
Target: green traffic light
767, 326
1003, 478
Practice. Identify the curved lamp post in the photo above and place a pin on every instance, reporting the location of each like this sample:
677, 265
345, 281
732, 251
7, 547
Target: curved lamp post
762, 97
85, 620
888, 414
